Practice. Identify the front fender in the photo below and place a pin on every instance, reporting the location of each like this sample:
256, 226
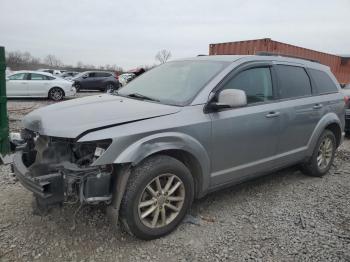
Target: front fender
326, 120
155, 143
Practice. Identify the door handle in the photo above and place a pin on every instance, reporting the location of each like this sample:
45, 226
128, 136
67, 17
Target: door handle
272, 114
317, 106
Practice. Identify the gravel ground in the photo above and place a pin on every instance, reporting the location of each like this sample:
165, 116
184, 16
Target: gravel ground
284, 216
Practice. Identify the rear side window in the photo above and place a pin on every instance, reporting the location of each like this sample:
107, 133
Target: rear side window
39, 77
293, 82
101, 74
324, 84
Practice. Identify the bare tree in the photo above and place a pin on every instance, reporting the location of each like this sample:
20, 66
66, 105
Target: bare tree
163, 55
52, 61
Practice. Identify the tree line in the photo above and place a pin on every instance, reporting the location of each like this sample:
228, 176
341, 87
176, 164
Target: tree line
18, 60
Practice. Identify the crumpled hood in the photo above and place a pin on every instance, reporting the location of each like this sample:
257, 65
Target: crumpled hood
71, 118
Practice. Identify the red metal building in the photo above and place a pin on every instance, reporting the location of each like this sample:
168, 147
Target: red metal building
340, 66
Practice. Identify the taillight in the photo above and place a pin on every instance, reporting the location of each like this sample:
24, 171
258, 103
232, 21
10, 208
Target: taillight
346, 101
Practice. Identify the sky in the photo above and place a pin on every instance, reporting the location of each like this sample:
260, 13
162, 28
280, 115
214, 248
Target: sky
130, 33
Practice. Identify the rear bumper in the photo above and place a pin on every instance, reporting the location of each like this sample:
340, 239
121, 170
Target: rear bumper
49, 187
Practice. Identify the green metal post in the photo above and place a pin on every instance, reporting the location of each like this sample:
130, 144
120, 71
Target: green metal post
4, 127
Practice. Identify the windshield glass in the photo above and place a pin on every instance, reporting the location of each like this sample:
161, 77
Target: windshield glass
174, 83
79, 75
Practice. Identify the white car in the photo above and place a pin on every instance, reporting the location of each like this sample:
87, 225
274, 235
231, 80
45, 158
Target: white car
126, 78
38, 84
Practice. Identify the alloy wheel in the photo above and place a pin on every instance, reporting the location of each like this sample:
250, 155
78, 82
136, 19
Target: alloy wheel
56, 94
161, 201
325, 153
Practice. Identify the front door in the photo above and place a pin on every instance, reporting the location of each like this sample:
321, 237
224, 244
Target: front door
90, 81
244, 140
16, 85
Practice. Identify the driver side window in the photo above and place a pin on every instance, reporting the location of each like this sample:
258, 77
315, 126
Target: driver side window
19, 76
255, 82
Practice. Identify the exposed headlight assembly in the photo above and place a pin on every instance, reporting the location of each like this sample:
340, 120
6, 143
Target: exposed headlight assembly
87, 152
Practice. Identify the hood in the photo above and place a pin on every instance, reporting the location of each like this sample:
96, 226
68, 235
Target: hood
71, 118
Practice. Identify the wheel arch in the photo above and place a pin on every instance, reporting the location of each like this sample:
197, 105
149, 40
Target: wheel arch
48, 93
180, 146
331, 122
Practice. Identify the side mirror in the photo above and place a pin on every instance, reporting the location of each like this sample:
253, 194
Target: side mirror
85, 76
229, 98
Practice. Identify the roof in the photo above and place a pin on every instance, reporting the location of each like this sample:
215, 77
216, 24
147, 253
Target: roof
32, 72
233, 58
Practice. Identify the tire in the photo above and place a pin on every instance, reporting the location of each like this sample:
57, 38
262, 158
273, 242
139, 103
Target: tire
313, 167
78, 87
347, 134
145, 174
108, 87
56, 94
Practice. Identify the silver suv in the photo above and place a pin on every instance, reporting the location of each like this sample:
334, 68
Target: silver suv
180, 131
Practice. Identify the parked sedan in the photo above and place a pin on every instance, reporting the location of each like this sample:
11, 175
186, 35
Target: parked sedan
95, 80
38, 84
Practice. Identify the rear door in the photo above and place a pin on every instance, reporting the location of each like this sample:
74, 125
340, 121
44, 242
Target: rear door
38, 84
300, 111
17, 85
100, 78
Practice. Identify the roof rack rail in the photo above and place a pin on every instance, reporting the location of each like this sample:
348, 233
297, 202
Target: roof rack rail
284, 55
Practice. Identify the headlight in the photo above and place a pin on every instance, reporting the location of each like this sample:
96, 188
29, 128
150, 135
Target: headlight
87, 152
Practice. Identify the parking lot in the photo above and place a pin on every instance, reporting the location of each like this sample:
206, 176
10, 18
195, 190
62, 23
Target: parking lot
284, 216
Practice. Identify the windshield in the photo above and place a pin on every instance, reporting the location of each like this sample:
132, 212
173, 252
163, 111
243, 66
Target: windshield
175, 83
79, 75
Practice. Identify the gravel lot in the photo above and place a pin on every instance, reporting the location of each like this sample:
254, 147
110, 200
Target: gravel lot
284, 216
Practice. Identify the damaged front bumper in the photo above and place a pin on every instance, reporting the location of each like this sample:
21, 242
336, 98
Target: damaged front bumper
49, 187
59, 170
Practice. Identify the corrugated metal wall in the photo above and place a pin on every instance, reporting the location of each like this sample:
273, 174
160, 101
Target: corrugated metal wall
339, 66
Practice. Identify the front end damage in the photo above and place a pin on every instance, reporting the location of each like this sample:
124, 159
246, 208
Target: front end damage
59, 170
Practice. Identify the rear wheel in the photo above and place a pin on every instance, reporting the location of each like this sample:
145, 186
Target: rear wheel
159, 193
56, 94
109, 87
323, 155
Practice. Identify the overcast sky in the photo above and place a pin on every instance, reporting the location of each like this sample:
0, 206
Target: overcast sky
129, 33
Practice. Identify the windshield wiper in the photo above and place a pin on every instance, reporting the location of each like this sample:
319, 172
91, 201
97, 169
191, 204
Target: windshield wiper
138, 95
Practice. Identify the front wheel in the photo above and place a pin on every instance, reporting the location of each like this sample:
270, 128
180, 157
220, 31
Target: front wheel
78, 87
323, 155
56, 94
158, 195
